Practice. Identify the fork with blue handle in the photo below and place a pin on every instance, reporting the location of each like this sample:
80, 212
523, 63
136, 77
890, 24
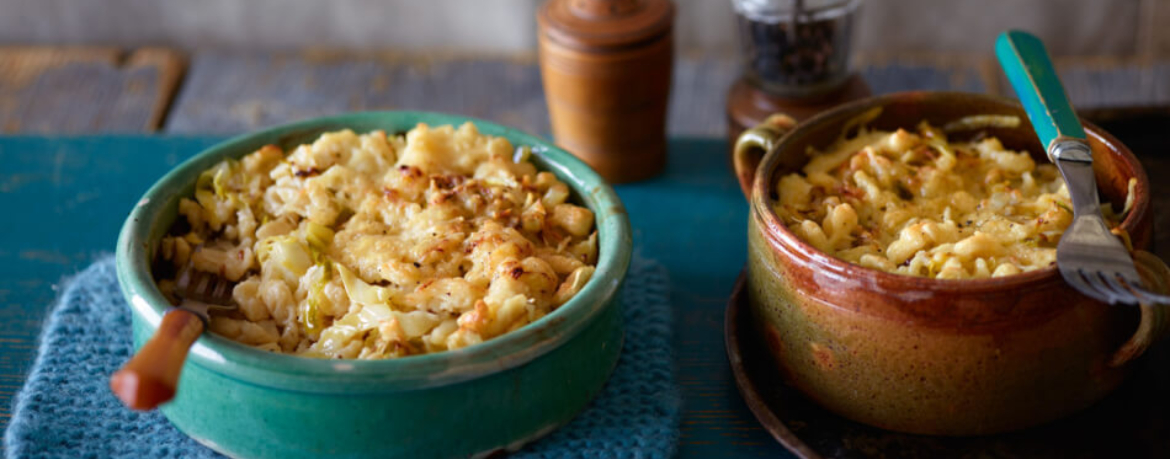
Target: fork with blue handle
1089, 256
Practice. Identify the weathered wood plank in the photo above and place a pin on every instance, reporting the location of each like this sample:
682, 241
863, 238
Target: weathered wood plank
71, 195
229, 92
1091, 82
233, 92
698, 95
237, 92
1069, 26
85, 89
1105, 82
892, 73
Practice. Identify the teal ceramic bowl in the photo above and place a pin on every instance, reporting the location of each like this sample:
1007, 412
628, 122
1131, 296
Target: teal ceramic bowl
470, 402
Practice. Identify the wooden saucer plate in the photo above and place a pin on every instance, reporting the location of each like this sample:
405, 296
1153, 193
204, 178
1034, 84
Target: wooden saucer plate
1134, 421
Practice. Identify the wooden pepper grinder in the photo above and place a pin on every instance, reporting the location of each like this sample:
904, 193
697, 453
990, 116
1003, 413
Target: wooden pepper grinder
606, 66
796, 60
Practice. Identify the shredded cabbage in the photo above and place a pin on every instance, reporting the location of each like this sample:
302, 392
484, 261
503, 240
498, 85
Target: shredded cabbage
216, 179
319, 237
417, 323
359, 291
287, 254
310, 314
375, 311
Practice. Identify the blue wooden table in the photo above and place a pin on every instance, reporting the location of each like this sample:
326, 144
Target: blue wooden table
64, 199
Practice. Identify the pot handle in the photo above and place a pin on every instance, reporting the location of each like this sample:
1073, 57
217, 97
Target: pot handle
1155, 321
753, 144
151, 377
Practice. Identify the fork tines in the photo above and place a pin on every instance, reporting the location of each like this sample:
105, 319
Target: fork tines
204, 286
1112, 289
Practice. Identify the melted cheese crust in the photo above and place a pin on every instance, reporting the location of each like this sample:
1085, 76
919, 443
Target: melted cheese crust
370, 246
913, 203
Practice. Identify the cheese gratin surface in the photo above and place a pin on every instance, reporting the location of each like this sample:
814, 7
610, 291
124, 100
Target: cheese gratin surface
373, 246
911, 202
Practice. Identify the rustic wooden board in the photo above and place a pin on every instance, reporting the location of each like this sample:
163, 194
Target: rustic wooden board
892, 72
1091, 82
1101, 82
234, 92
698, 95
55, 90
227, 92
101, 89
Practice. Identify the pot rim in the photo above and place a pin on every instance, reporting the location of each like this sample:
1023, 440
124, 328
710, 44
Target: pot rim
778, 233
301, 374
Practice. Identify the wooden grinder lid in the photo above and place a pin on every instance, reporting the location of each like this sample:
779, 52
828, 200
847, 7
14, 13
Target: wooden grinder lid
599, 25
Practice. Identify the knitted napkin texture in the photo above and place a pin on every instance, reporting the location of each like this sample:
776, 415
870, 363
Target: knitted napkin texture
66, 409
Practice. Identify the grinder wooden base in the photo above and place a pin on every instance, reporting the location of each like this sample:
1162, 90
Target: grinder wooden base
748, 105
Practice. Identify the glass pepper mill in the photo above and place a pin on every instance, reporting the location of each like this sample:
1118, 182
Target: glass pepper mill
796, 60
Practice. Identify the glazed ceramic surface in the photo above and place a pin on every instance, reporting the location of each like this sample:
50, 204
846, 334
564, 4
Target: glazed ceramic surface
1131, 422
927, 355
475, 401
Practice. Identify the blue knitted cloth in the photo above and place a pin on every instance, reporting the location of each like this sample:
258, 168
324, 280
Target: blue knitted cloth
66, 409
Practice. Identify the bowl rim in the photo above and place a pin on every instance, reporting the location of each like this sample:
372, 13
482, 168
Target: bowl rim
778, 233
295, 373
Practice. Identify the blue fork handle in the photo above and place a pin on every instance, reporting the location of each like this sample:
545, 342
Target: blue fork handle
1030, 72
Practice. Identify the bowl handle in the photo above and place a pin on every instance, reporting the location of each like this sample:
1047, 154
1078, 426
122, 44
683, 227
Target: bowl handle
753, 144
1155, 317
151, 377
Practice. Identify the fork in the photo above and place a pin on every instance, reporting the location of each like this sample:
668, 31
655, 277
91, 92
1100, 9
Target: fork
1089, 256
151, 377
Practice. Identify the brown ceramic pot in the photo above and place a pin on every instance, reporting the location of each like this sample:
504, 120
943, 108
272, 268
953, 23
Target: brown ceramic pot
926, 355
